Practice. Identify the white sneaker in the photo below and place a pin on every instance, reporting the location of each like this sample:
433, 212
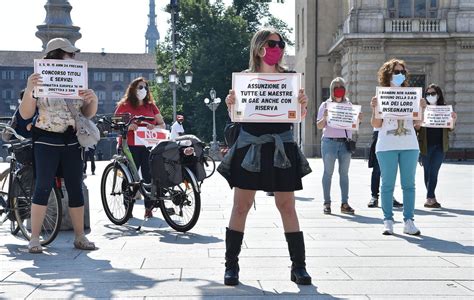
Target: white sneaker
410, 228
387, 227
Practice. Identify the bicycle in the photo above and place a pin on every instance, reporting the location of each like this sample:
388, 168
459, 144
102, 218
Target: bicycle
180, 205
17, 186
209, 163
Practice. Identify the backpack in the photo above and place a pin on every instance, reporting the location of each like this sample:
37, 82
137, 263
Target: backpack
20, 125
165, 164
195, 162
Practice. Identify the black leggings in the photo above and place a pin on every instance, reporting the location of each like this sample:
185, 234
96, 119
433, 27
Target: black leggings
141, 155
51, 153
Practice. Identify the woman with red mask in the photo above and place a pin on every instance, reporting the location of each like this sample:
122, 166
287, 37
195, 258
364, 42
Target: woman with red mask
333, 147
266, 53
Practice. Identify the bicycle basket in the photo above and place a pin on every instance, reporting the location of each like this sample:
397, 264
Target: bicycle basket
24, 153
196, 162
165, 165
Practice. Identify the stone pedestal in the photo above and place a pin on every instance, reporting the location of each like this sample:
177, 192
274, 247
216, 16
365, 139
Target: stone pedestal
66, 222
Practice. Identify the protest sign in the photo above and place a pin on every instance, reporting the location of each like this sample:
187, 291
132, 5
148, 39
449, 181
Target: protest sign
149, 138
398, 103
343, 115
438, 116
266, 97
61, 78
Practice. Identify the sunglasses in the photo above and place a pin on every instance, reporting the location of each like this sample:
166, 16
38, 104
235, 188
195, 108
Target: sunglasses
431, 94
396, 72
272, 44
141, 87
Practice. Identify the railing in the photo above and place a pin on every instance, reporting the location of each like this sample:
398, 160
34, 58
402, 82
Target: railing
415, 25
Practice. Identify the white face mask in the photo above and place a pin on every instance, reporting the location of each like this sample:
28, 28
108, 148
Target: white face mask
432, 99
141, 94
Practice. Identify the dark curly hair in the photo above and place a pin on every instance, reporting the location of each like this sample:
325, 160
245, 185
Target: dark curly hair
438, 91
131, 93
386, 71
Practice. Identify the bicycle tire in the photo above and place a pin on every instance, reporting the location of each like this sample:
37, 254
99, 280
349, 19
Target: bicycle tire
21, 203
209, 165
120, 205
177, 199
4, 184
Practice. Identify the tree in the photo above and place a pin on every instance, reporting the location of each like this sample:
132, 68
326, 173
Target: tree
214, 41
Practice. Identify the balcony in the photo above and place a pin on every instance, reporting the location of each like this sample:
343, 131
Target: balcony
415, 25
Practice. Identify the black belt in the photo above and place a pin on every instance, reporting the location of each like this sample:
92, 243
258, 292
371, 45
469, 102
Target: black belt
337, 139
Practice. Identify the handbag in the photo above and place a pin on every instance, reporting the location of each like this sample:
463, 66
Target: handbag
87, 132
350, 144
231, 133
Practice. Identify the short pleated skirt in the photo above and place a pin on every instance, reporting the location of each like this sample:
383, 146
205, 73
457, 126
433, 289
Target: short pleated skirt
270, 178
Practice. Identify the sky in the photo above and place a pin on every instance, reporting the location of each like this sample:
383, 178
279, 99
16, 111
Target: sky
117, 26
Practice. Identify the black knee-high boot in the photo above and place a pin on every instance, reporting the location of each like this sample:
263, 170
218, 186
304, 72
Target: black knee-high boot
297, 254
233, 243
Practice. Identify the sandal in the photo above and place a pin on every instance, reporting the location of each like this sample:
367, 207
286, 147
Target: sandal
82, 243
34, 246
432, 203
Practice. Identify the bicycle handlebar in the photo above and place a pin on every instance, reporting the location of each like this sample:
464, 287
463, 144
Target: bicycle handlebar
117, 122
12, 131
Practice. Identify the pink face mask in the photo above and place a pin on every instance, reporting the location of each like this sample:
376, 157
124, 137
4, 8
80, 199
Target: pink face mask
272, 55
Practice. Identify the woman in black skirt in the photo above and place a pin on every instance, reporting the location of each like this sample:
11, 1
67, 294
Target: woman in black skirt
282, 177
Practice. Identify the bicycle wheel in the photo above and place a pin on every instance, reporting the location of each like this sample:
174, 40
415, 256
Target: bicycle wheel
116, 194
5, 211
21, 203
209, 165
181, 204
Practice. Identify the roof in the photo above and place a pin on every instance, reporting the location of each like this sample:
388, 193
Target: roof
94, 60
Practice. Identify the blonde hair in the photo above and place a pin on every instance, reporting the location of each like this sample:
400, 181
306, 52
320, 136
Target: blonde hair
341, 82
257, 44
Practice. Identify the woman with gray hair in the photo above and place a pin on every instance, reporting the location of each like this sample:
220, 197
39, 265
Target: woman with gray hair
333, 147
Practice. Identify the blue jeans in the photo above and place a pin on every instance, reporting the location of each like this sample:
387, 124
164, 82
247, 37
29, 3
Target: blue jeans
389, 162
332, 150
431, 164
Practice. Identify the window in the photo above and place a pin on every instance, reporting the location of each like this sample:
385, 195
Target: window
101, 95
99, 76
116, 95
8, 75
8, 94
302, 28
117, 76
417, 80
412, 8
135, 75
24, 75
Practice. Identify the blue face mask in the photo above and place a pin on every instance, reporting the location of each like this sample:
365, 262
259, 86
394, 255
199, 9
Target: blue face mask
398, 79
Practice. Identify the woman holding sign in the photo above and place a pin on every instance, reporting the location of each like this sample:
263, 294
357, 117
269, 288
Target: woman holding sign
265, 157
138, 101
55, 145
397, 147
434, 143
333, 147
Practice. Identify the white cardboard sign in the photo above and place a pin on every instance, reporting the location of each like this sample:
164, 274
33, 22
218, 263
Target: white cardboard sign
438, 116
399, 103
343, 115
266, 97
149, 138
61, 78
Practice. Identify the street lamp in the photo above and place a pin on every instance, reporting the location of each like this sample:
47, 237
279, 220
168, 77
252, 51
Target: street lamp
173, 77
213, 104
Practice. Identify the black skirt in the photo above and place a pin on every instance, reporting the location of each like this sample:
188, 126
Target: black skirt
270, 178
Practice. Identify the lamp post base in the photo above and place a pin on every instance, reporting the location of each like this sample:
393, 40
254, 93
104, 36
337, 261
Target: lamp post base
215, 152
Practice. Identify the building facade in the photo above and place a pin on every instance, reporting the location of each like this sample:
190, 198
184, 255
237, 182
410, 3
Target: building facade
353, 38
109, 75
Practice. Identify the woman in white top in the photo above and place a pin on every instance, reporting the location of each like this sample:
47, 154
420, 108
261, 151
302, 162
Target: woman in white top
397, 147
